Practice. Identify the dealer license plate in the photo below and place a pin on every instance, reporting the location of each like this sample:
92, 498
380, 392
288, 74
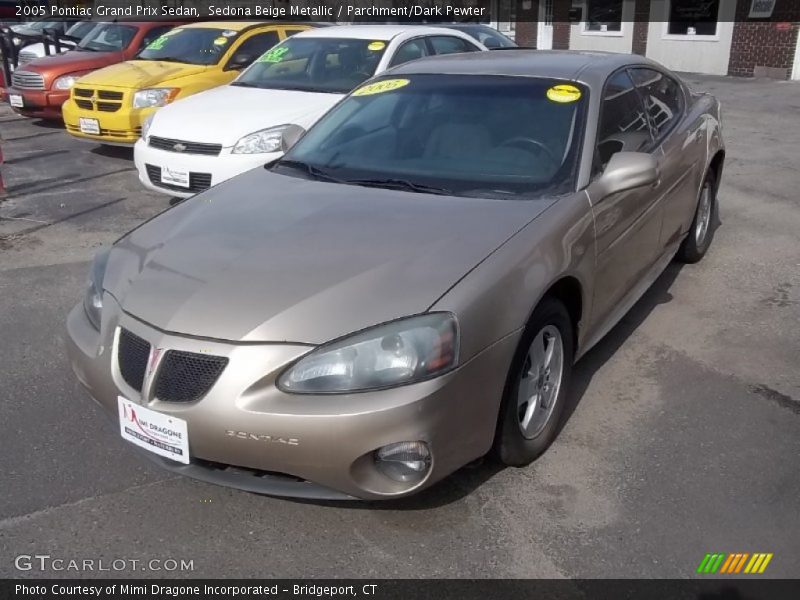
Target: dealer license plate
16, 100
90, 126
175, 177
161, 434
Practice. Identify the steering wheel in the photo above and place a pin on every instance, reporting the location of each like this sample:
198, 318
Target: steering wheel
527, 143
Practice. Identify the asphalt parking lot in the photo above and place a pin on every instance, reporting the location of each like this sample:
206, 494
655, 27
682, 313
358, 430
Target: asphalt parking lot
684, 438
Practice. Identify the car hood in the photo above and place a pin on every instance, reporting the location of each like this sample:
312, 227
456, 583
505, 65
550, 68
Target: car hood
225, 114
38, 49
56, 65
139, 74
268, 257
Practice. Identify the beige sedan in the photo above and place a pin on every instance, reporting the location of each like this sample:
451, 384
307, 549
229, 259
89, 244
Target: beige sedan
408, 288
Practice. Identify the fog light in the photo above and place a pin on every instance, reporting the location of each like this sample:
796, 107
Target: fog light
407, 462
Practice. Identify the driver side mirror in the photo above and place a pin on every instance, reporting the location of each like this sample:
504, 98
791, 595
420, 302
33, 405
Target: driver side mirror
238, 61
626, 171
291, 135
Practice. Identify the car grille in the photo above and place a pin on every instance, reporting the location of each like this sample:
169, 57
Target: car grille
98, 100
26, 56
198, 182
188, 147
26, 80
186, 376
132, 355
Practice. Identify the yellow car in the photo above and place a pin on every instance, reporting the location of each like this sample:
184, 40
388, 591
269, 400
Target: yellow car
109, 105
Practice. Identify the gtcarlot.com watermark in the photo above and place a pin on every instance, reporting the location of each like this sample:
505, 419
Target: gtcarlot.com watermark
47, 563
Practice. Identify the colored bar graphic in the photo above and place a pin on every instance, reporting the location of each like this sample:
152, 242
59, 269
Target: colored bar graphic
764, 564
729, 562
733, 563
703, 563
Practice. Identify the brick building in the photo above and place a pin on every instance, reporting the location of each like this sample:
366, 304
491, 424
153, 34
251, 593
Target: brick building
722, 37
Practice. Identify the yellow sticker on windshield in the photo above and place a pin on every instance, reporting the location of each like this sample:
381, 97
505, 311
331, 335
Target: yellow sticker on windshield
220, 41
379, 87
375, 46
563, 93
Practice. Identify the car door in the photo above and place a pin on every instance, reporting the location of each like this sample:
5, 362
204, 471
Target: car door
682, 147
627, 224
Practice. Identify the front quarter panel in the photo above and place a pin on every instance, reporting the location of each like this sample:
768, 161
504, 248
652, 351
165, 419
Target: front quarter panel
497, 297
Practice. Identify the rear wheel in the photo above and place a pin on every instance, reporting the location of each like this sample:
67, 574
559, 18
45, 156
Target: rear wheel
535, 393
696, 244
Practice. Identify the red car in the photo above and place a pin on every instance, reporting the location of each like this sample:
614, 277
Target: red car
40, 87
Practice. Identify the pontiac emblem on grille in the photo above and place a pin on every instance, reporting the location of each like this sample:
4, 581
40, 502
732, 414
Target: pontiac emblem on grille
179, 147
152, 361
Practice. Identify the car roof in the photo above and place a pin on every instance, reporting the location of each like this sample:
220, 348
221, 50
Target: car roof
556, 64
371, 32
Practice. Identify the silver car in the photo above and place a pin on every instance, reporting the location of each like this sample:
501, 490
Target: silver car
408, 288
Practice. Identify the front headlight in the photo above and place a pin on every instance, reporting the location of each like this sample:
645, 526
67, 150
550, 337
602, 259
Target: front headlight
397, 353
266, 140
154, 97
146, 126
65, 82
93, 300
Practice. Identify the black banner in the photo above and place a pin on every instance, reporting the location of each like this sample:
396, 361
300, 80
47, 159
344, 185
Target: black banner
405, 11
385, 589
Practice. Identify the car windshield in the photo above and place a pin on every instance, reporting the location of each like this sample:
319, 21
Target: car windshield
192, 45
108, 37
472, 135
331, 65
80, 29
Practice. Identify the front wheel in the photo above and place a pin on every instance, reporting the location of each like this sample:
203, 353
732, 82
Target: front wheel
536, 390
696, 244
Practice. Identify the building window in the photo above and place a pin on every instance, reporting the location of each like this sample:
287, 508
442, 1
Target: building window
603, 16
690, 17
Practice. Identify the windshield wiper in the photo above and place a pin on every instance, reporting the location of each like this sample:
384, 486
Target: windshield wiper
245, 84
315, 172
402, 184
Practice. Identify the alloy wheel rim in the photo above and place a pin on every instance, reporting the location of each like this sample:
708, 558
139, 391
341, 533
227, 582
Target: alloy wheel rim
703, 216
540, 382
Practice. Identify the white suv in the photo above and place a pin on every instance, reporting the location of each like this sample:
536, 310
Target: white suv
200, 141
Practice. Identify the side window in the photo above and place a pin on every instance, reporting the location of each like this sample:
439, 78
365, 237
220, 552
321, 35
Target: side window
411, 50
154, 33
623, 125
445, 44
257, 45
663, 97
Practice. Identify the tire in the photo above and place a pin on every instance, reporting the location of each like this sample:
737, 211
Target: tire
701, 233
515, 443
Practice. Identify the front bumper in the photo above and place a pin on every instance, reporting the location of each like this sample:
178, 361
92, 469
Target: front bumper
123, 127
333, 438
205, 171
41, 104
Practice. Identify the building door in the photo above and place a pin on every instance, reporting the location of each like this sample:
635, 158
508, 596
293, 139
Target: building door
544, 35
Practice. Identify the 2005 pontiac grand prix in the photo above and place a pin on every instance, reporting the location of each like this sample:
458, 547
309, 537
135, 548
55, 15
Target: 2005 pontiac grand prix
409, 287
